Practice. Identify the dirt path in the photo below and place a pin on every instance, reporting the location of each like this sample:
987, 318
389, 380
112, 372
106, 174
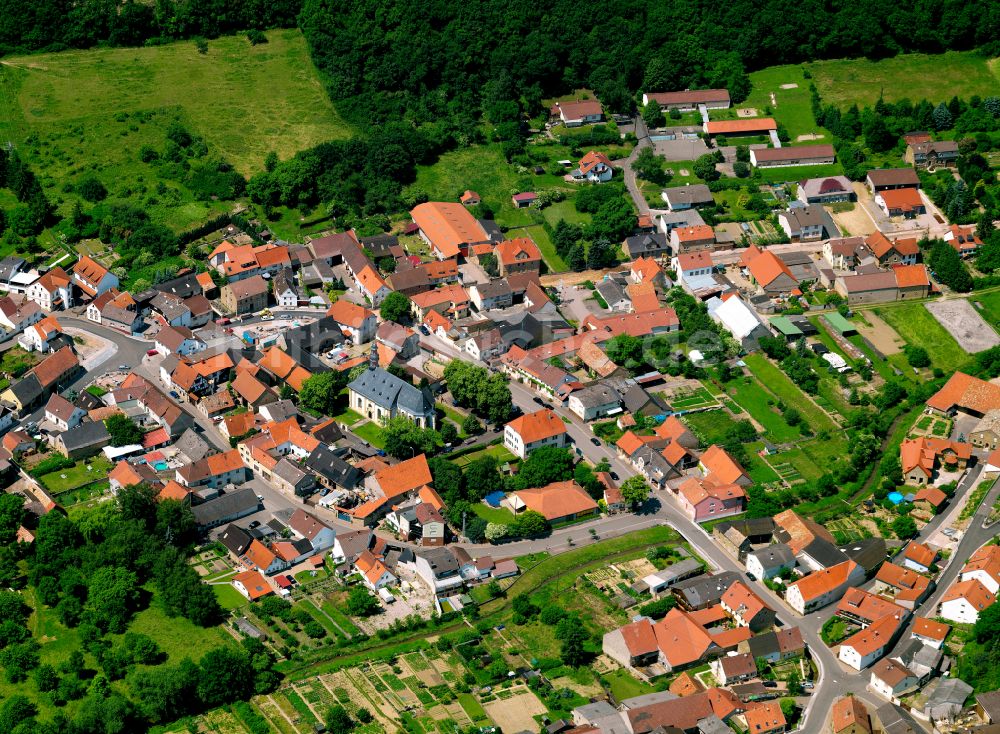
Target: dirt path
555, 279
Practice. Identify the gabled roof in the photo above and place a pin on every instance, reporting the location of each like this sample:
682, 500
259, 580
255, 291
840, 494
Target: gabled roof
404, 477
681, 640
764, 716
696, 491
255, 584
931, 629
977, 595
849, 711
894, 177
821, 582
720, 466
743, 601
919, 553
557, 500
55, 365
518, 250
89, 274
967, 393
592, 160
752, 125
538, 426
766, 267
448, 225
370, 567
986, 559
903, 199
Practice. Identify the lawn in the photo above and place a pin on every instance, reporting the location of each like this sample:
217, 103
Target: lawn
711, 425
624, 685
779, 384
793, 107
65, 479
565, 209
918, 327
798, 173
496, 515
244, 100
541, 238
228, 596
497, 451
934, 77
370, 432
754, 399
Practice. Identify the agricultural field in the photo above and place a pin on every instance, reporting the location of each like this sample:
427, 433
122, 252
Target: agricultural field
988, 306
918, 327
229, 96
756, 401
913, 76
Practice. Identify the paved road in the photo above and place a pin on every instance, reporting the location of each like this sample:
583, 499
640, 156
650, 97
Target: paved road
642, 141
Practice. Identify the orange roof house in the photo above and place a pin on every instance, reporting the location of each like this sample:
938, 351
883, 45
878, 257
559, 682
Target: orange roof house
447, 227
884, 249
919, 457
930, 630
349, 314
822, 587
908, 586
919, 554
681, 640
470, 198
592, 160
518, 254
252, 585
720, 468
697, 233
753, 126
850, 716
765, 717
557, 502
280, 364
911, 276
984, 565
964, 601
966, 393
524, 432
404, 477
902, 201
771, 273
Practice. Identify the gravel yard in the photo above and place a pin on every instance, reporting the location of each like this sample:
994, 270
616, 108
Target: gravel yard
964, 323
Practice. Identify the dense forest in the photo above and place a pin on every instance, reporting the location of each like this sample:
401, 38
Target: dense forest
433, 58
54, 25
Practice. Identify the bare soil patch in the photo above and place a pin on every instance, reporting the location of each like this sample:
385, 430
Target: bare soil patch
516, 713
879, 333
746, 112
964, 323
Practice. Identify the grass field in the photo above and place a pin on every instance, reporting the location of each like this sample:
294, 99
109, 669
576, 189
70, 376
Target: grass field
228, 596
988, 304
754, 399
60, 481
625, 685
918, 327
244, 100
793, 108
914, 76
710, 425
778, 383
497, 451
565, 210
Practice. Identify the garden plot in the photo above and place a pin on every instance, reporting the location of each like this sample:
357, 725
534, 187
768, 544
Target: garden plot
516, 713
964, 323
689, 395
788, 473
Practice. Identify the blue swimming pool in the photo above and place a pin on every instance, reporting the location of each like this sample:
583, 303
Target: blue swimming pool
160, 466
895, 498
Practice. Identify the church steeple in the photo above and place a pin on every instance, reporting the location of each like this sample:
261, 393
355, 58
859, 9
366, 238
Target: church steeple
373, 356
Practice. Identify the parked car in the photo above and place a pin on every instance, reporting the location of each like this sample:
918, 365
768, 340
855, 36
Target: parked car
174, 395
538, 400
424, 330
123, 367
254, 524
151, 352
595, 441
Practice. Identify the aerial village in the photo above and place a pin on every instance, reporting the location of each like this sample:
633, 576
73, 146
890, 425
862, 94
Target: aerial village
411, 425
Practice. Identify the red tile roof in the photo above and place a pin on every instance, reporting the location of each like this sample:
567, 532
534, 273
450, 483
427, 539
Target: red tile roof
538, 426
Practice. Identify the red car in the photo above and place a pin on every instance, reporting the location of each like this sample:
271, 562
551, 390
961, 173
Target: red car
151, 353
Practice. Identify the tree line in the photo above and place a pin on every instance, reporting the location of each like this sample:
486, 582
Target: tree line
56, 25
